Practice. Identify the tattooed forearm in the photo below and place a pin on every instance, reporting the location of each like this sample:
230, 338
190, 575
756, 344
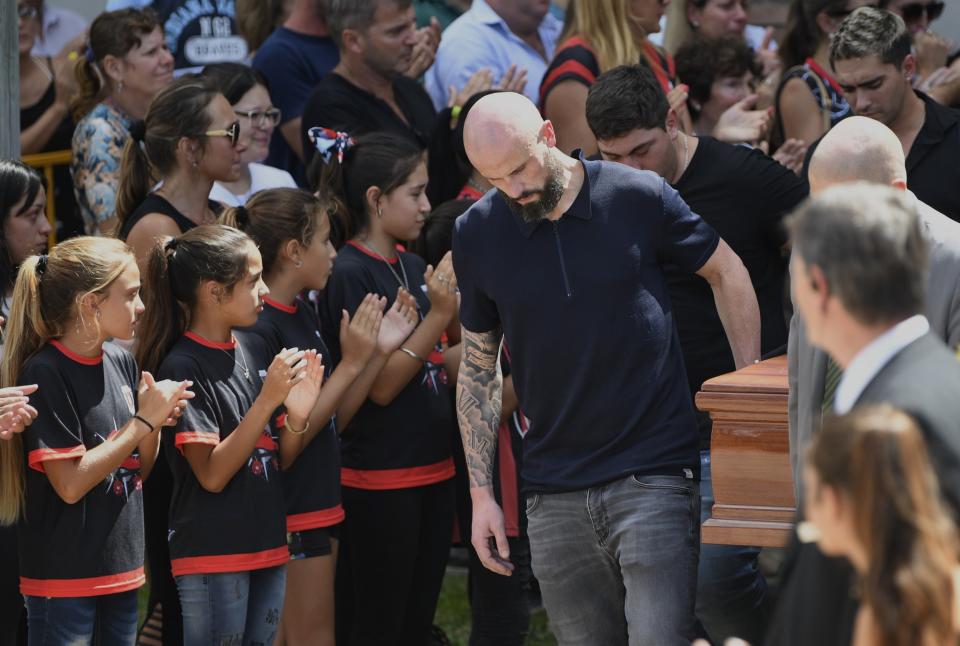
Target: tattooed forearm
479, 399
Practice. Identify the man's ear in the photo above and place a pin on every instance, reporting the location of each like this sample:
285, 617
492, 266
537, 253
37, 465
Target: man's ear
548, 134
353, 41
909, 67
672, 123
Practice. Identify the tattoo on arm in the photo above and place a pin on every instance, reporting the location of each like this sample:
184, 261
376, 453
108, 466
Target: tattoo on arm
479, 400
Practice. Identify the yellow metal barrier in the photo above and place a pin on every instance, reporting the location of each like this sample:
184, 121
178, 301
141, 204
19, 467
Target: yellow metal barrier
45, 163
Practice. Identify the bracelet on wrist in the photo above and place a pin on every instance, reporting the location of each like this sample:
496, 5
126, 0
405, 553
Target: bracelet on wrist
410, 353
286, 425
140, 418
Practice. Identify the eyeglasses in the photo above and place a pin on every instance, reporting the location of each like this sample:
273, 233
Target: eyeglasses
261, 117
27, 12
914, 11
233, 133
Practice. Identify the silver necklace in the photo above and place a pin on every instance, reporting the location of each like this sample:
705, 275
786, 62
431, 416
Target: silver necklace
403, 281
243, 359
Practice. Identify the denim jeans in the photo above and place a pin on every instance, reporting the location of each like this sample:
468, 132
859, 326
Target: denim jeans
105, 620
617, 564
732, 598
232, 608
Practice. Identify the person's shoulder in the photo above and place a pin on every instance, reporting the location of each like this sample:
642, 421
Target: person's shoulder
264, 176
484, 217
45, 361
182, 359
619, 179
115, 354
943, 232
331, 90
946, 117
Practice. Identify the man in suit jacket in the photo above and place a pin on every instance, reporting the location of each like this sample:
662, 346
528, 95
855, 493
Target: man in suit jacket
862, 149
858, 275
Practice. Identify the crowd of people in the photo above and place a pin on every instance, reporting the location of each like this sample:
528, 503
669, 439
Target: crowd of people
339, 283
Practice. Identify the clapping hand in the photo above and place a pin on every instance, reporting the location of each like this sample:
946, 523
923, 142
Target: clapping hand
358, 336
398, 322
302, 397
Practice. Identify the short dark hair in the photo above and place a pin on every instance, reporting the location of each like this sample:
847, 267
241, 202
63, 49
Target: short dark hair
868, 241
705, 60
353, 14
233, 80
624, 99
869, 31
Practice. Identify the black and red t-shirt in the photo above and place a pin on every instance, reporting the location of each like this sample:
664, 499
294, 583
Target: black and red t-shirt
311, 486
406, 443
242, 527
95, 546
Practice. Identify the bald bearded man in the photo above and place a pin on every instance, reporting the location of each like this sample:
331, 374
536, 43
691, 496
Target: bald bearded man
863, 149
564, 261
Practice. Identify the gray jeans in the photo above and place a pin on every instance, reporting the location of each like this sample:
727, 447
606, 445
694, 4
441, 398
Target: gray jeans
617, 564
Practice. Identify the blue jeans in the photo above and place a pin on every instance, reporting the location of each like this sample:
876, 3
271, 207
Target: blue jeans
232, 608
107, 620
617, 564
732, 598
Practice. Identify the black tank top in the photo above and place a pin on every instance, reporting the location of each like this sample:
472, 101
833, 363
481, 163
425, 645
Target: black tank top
153, 203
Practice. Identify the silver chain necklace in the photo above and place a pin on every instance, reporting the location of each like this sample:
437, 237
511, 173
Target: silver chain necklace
403, 281
242, 363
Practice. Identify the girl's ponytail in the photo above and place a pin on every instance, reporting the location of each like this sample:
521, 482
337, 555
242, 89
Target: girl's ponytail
135, 179
163, 321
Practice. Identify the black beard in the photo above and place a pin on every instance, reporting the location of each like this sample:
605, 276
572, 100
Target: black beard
550, 196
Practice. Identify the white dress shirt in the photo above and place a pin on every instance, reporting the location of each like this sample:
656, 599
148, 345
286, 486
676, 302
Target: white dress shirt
873, 357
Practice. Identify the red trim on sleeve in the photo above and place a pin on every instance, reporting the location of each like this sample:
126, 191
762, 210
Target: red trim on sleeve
824, 74
656, 60
382, 479
509, 492
315, 519
230, 562
92, 587
73, 356
567, 67
469, 193
37, 457
216, 345
195, 437
367, 252
286, 309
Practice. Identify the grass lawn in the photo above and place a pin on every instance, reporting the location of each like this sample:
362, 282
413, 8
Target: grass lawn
453, 614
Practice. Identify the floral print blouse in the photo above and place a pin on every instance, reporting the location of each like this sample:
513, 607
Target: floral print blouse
98, 145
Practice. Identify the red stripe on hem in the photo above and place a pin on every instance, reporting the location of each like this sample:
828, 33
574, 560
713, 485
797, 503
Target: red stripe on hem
73, 356
216, 345
37, 457
230, 562
367, 252
315, 519
91, 587
382, 479
286, 309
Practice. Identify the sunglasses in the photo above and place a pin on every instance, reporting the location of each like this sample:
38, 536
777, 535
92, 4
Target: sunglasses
27, 12
232, 133
261, 117
915, 10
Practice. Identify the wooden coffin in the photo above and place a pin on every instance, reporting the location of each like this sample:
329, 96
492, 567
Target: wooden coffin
752, 479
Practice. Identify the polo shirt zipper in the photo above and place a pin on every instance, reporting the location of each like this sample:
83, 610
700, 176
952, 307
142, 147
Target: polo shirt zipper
563, 265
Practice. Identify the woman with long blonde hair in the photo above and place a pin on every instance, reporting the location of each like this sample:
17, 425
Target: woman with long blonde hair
599, 35
872, 496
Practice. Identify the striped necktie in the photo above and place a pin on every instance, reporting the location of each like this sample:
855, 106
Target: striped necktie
834, 375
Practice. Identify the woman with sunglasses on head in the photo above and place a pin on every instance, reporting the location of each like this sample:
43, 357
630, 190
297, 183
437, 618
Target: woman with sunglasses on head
125, 64
397, 462
291, 228
78, 468
228, 542
246, 90
189, 139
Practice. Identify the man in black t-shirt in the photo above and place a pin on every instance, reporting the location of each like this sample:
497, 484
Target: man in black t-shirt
367, 91
566, 260
744, 195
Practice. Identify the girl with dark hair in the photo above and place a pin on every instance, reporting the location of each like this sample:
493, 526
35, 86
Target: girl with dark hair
397, 466
227, 533
292, 230
451, 174
95, 438
189, 139
24, 228
808, 100
246, 90
45, 123
126, 63
872, 496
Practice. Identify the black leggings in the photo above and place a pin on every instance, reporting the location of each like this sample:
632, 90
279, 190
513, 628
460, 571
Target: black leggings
12, 614
500, 612
391, 563
157, 491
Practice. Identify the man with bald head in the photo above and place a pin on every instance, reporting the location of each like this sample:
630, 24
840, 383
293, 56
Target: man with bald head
862, 297
564, 261
863, 149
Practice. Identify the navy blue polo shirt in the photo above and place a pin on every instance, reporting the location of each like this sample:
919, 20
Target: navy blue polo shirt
584, 308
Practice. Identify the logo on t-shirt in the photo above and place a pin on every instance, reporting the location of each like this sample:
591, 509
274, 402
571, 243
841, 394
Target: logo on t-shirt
264, 456
434, 374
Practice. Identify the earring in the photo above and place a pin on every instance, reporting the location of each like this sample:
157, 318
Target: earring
379, 212
298, 264
97, 315
695, 24
120, 86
